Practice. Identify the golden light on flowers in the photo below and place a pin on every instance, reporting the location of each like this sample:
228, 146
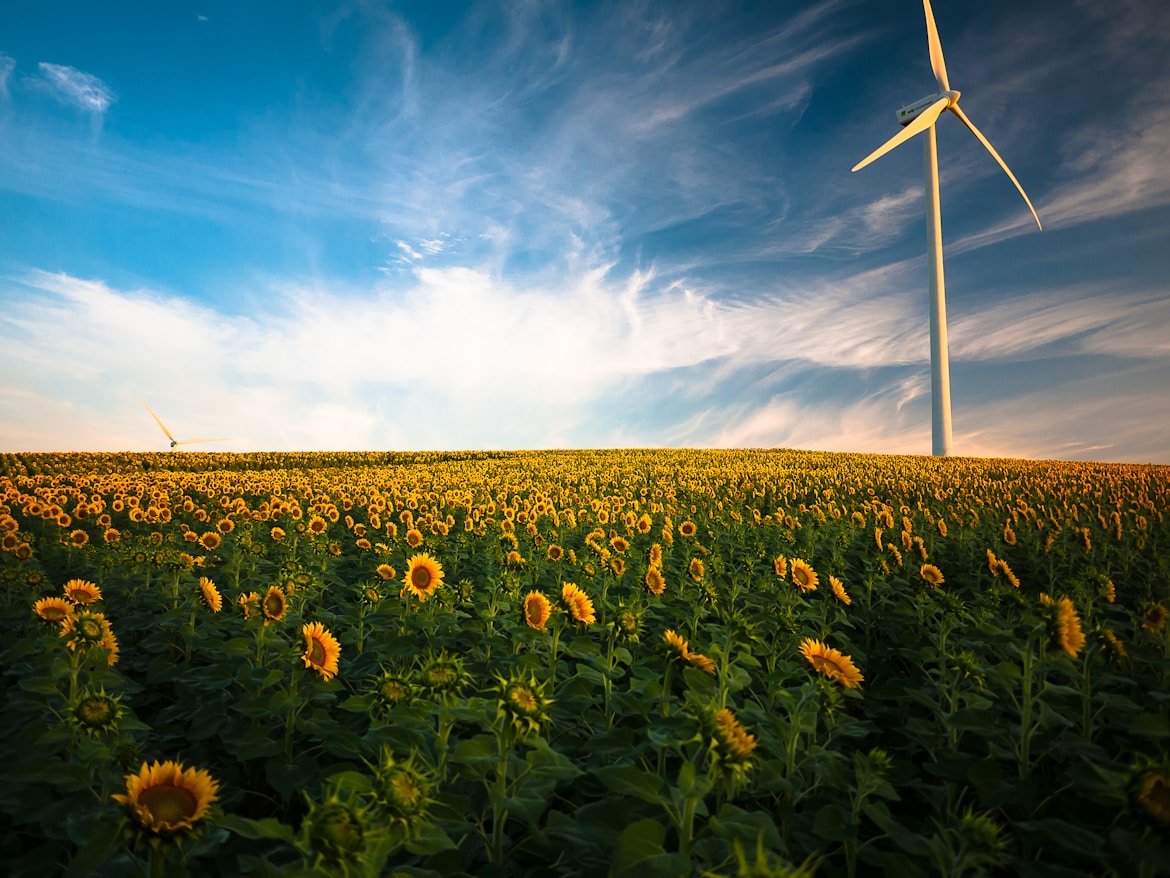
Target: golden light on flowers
675, 642
423, 575
695, 569
79, 538
386, 572
166, 799
555, 552
654, 581
53, 609
249, 603
274, 605
734, 740
1006, 571
210, 540
322, 650
578, 604
537, 610
1009, 535
803, 575
687, 529
317, 525
780, 566
413, 538
211, 595
832, 663
277, 534
82, 592
839, 592
1068, 627
931, 574
676, 645
700, 661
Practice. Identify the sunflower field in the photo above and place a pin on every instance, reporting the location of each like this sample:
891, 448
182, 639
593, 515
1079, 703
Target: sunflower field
583, 663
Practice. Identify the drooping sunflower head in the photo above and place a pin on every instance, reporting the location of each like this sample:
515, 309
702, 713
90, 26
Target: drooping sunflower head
1151, 794
803, 575
931, 574
537, 610
839, 592
249, 604
1068, 634
676, 646
578, 604
167, 799
695, 569
423, 575
830, 662
702, 662
210, 594
386, 572
322, 651
53, 609
81, 592
274, 604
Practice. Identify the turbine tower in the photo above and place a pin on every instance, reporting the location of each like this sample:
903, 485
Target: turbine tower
917, 118
175, 441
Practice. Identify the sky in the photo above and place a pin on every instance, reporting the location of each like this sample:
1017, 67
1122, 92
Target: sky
495, 225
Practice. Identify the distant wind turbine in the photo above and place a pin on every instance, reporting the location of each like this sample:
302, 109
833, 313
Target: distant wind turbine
175, 441
921, 116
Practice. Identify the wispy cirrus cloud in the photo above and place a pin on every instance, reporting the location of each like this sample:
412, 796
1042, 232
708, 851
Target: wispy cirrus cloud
7, 65
75, 87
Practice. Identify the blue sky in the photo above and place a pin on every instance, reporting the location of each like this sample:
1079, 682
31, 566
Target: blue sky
361, 225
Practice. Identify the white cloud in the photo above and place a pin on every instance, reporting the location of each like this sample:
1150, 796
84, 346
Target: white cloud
83, 90
7, 65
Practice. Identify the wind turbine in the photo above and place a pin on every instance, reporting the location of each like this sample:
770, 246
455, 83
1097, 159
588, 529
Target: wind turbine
920, 117
175, 441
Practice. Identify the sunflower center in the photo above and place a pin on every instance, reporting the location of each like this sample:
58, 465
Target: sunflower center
95, 711
523, 698
273, 605
168, 804
392, 690
90, 629
54, 614
406, 791
420, 578
317, 652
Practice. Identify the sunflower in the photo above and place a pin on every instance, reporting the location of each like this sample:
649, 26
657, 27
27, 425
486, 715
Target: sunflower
249, 603
992, 563
53, 609
803, 575
277, 534
537, 610
317, 525
211, 595
225, 526
617, 566
578, 604
1002, 566
524, 703
831, 663
413, 538
1155, 618
444, 676
321, 650
423, 575
1153, 794
656, 556
780, 566
95, 713
81, 592
839, 592
695, 569
391, 689
687, 529
364, 544
701, 662
654, 581
166, 799
931, 574
619, 544
210, 540
1009, 536
555, 552
9, 542
79, 538
735, 744
675, 643
274, 605
1068, 627
514, 557
84, 629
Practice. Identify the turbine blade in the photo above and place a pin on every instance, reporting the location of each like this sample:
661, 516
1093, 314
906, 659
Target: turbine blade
157, 421
923, 121
189, 441
995, 155
936, 56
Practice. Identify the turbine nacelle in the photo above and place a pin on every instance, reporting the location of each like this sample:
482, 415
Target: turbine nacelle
908, 114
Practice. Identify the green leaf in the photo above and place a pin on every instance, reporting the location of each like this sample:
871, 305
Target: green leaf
626, 780
429, 840
637, 843
268, 828
831, 824
1150, 725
